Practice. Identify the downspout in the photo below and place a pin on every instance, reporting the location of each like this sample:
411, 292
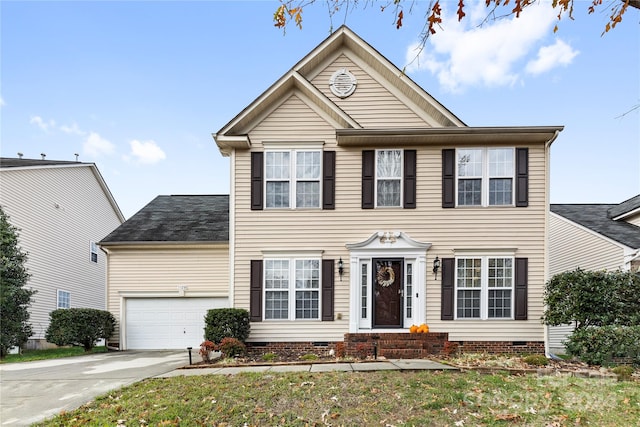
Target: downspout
547, 149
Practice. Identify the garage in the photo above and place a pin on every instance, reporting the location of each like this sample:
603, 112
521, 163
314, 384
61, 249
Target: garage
167, 323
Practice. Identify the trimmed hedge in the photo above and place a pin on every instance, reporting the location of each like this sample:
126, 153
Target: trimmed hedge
223, 323
79, 326
605, 345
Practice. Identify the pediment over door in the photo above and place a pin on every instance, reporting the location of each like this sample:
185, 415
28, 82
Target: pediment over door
389, 240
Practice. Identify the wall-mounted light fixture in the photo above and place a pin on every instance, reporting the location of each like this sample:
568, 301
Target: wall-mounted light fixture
436, 266
340, 268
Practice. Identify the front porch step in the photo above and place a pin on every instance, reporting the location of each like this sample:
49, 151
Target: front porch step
396, 345
402, 353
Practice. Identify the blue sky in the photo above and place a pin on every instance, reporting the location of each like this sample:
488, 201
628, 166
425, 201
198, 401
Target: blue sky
138, 87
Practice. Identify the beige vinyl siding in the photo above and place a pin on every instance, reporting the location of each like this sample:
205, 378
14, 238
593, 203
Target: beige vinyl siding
522, 229
159, 270
372, 105
571, 246
59, 211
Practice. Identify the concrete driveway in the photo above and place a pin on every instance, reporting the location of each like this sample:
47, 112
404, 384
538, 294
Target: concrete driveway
33, 391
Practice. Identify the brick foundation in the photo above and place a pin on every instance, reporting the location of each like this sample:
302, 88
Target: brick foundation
395, 346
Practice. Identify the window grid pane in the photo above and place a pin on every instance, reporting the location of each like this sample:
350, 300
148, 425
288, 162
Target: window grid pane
388, 192
501, 162
277, 305
468, 304
64, 299
409, 290
307, 303
469, 273
277, 194
500, 191
363, 289
470, 163
277, 165
470, 192
499, 303
308, 194
308, 165
307, 274
276, 274
500, 273
389, 164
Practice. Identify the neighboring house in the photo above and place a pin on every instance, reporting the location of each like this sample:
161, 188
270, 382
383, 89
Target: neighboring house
360, 206
167, 265
62, 209
592, 237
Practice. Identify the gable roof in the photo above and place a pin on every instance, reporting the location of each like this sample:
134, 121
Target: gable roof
596, 218
176, 219
11, 163
234, 134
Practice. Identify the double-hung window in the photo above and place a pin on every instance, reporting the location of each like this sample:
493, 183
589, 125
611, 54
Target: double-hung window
64, 299
484, 287
292, 289
292, 179
388, 178
94, 252
485, 176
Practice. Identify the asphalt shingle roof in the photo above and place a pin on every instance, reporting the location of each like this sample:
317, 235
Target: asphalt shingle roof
625, 207
596, 217
11, 162
182, 218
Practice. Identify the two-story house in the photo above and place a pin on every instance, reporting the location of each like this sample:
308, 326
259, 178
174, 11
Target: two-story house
62, 209
360, 206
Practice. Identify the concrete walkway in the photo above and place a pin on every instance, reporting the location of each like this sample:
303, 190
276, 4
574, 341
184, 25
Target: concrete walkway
379, 365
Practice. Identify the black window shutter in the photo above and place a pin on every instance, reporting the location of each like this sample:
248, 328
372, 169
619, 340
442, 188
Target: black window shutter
522, 279
329, 180
448, 288
255, 292
257, 166
327, 289
522, 177
409, 179
368, 178
448, 178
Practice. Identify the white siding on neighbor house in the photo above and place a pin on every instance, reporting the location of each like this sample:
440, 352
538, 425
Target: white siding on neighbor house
520, 229
634, 219
372, 105
571, 246
59, 211
160, 270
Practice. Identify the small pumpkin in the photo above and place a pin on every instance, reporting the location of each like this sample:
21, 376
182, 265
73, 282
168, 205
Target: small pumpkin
413, 329
423, 329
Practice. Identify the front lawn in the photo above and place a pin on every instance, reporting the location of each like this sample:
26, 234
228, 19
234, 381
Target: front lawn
53, 353
384, 398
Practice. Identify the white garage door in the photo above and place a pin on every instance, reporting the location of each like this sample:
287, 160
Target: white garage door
167, 323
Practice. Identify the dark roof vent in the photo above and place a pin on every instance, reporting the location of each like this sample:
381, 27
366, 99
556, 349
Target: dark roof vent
43, 155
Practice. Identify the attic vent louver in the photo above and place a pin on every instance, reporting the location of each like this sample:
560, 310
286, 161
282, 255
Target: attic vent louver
342, 83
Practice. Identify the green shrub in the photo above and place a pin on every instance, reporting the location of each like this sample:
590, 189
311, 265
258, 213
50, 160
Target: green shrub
223, 323
536, 360
602, 345
232, 347
623, 372
269, 357
309, 357
79, 326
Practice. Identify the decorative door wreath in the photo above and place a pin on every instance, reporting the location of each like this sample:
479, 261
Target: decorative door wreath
385, 276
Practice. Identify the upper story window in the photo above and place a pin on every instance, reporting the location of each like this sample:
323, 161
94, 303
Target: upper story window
389, 178
485, 176
94, 252
64, 299
299, 176
484, 288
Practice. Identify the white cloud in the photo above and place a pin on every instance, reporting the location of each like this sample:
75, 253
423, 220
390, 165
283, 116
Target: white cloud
464, 54
95, 146
72, 129
44, 125
146, 152
558, 54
